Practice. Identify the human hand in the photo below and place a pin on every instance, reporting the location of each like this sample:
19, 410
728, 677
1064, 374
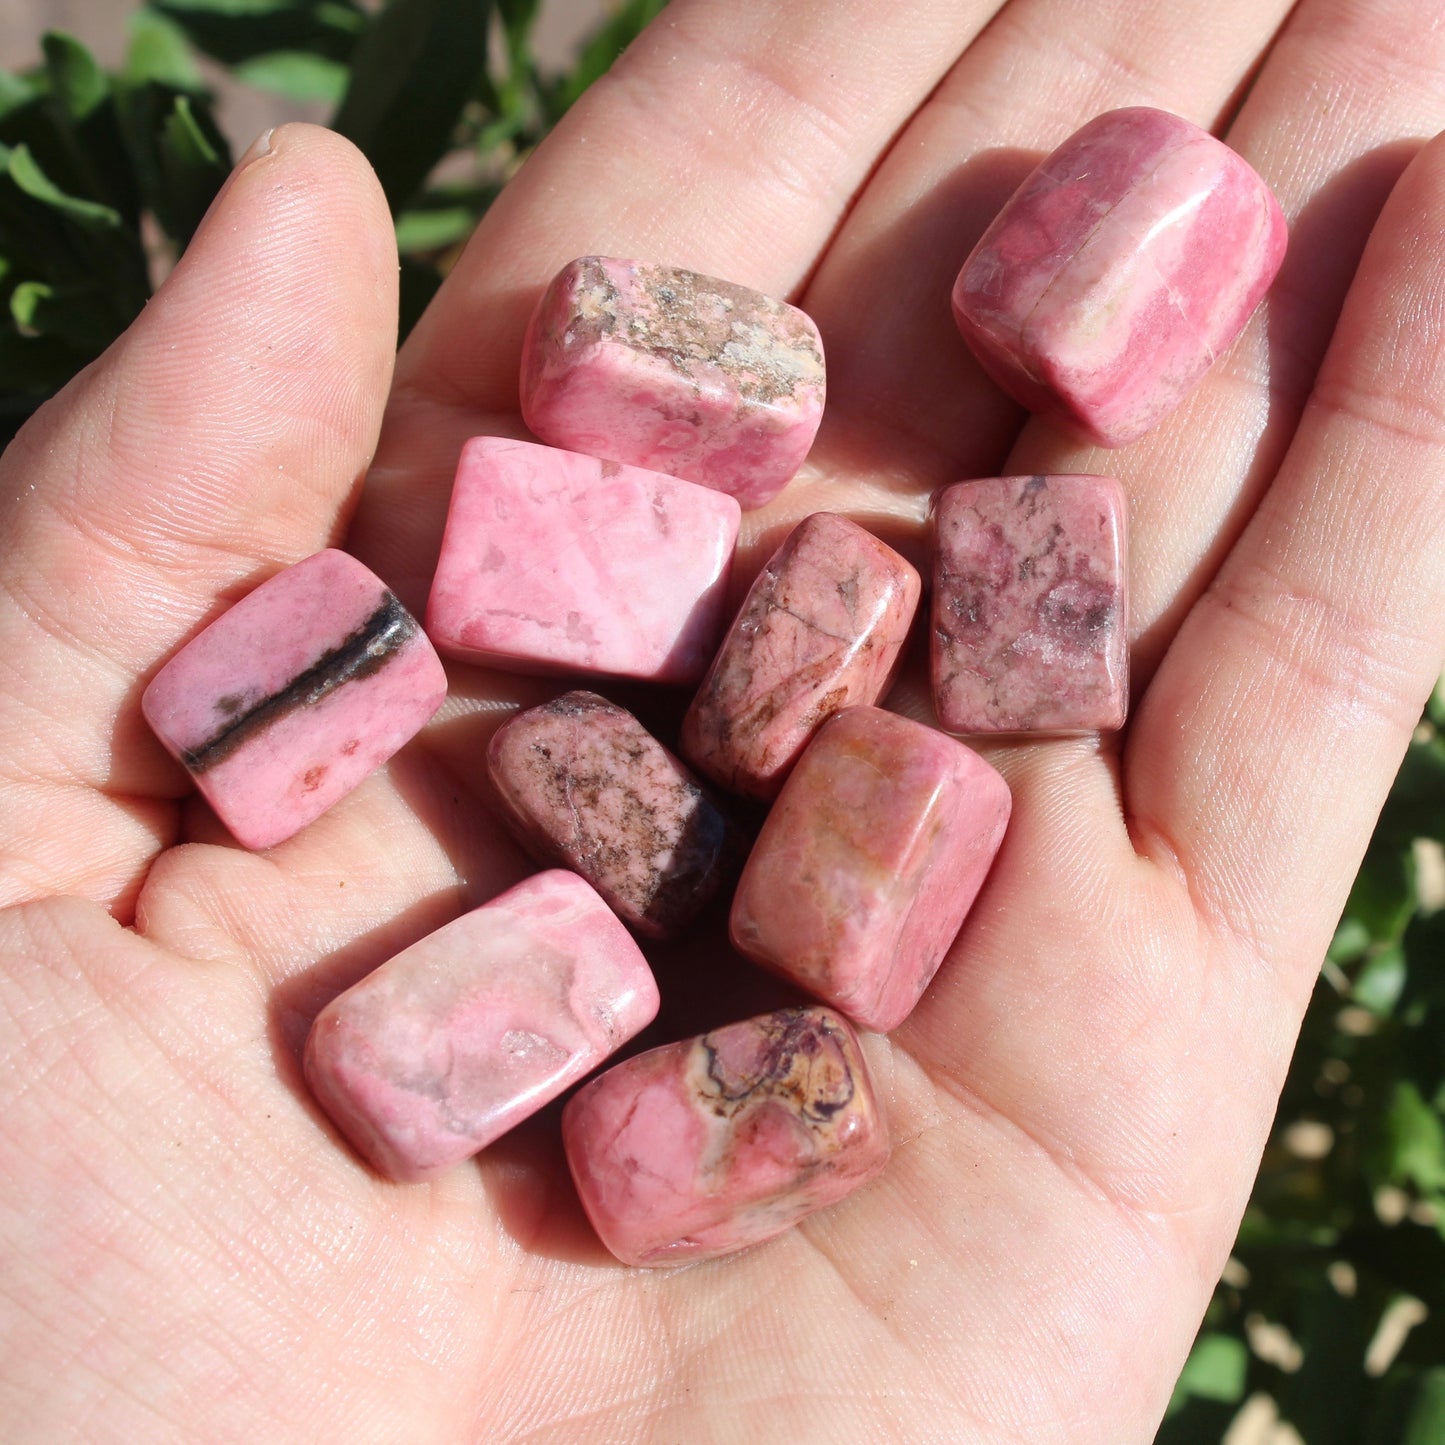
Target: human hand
1079, 1103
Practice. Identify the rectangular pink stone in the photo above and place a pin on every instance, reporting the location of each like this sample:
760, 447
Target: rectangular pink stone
295, 695
665, 369
461, 1036
1117, 273
587, 787
1029, 606
704, 1147
822, 628
553, 561
869, 862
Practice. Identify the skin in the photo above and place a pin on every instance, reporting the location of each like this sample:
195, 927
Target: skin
1080, 1102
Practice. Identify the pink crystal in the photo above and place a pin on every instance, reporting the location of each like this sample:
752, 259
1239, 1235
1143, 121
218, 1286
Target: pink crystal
295, 695
821, 629
1029, 605
677, 372
704, 1147
557, 562
445, 1047
868, 863
587, 787
1120, 269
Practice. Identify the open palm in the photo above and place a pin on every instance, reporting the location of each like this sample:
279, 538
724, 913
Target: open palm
1079, 1103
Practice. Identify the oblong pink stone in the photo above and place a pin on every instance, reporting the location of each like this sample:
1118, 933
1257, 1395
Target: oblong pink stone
553, 561
869, 862
1117, 273
1029, 605
586, 786
707, 1146
295, 695
663, 368
446, 1046
821, 629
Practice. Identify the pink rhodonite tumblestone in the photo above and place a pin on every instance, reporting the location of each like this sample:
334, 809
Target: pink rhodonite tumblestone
868, 863
821, 629
553, 561
291, 698
445, 1047
677, 372
706, 1146
585, 786
1029, 605
1117, 273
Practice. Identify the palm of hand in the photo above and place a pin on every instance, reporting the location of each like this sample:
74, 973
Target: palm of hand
1079, 1103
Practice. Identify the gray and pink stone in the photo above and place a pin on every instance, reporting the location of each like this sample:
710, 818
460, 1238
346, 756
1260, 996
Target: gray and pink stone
295, 695
585, 786
1030, 606
821, 629
707, 1146
458, 1038
869, 862
665, 369
1118, 272
555, 562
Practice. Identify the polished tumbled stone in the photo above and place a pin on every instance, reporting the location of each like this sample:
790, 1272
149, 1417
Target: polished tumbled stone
706, 1146
869, 862
821, 629
680, 373
553, 561
585, 786
448, 1045
292, 697
1118, 272
1029, 605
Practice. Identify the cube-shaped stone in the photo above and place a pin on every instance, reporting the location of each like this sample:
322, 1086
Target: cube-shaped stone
553, 562
585, 786
445, 1047
1029, 605
821, 629
706, 1146
1117, 273
295, 695
663, 368
869, 862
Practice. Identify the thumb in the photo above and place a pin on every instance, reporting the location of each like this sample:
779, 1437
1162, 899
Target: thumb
224, 435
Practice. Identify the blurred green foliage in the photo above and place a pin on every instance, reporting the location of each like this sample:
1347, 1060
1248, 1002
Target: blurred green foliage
1333, 1306
1332, 1313
105, 175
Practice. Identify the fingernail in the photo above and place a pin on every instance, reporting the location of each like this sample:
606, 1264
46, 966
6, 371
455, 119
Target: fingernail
259, 147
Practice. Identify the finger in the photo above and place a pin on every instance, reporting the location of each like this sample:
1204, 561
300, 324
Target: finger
916, 411
730, 138
222, 436
1346, 97
1268, 740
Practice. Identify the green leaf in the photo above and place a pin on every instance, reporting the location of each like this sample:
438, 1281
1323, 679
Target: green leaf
33, 182
75, 315
1426, 1425
600, 52
411, 76
1380, 980
1413, 1142
295, 74
194, 162
1383, 899
159, 52
235, 30
15, 91
1215, 1370
76, 81
434, 229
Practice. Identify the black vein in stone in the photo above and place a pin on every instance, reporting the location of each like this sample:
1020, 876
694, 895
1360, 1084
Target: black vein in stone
359, 655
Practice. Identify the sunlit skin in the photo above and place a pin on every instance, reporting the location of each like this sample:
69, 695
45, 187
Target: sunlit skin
1079, 1103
